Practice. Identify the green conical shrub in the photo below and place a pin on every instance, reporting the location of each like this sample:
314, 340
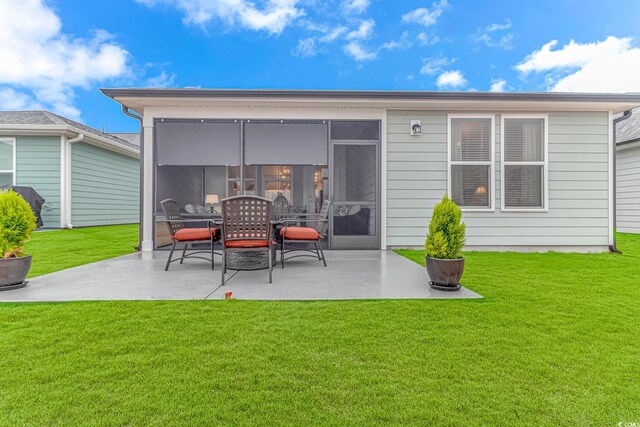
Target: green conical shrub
17, 222
446, 231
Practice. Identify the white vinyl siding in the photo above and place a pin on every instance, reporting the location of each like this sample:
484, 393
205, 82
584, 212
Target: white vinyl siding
7, 161
578, 213
471, 161
628, 190
524, 159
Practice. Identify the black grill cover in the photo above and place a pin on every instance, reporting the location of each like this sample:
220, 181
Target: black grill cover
32, 197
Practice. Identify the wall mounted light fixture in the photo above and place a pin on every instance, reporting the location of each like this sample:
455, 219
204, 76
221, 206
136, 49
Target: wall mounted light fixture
416, 128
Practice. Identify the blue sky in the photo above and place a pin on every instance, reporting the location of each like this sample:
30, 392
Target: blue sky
57, 53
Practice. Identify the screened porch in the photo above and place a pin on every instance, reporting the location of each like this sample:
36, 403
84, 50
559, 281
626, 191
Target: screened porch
296, 164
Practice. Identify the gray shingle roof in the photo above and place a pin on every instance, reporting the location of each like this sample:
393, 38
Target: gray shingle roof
132, 137
24, 118
43, 117
629, 129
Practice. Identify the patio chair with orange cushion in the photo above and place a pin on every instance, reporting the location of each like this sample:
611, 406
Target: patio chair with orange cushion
189, 236
294, 234
246, 227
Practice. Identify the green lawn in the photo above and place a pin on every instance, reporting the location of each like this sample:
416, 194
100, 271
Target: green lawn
556, 341
60, 249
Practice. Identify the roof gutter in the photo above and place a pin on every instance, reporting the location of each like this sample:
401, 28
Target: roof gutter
614, 248
369, 95
78, 138
70, 131
127, 112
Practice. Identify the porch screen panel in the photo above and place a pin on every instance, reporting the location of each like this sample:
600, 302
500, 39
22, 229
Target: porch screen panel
197, 143
286, 143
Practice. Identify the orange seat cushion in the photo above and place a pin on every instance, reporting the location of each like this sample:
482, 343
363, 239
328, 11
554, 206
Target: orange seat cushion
249, 243
299, 233
193, 234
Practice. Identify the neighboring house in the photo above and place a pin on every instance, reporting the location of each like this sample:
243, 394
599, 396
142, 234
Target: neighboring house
628, 174
86, 177
531, 171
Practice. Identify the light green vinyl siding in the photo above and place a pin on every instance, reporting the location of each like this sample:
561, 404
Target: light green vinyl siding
104, 186
38, 166
628, 195
578, 184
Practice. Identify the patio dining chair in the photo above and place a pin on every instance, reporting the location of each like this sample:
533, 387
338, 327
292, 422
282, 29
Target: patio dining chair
189, 236
292, 234
246, 227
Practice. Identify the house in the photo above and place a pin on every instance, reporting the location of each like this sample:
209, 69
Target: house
531, 171
87, 177
628, 173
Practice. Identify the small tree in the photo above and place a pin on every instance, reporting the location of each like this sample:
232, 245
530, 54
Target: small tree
17, 222
446, 231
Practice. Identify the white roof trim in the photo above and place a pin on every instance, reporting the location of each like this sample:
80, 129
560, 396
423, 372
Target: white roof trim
67, 130
448, 105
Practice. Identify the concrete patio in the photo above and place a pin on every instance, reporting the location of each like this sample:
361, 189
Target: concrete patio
349, 275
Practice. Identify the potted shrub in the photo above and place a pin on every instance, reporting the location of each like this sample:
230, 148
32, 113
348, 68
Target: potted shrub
17, 222
444, 243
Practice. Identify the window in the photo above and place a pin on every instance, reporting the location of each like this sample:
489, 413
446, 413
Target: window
234, 187
524, 160
277, 180
7, 161
471, 155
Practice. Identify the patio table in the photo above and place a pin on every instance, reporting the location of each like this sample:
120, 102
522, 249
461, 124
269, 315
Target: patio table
247, 259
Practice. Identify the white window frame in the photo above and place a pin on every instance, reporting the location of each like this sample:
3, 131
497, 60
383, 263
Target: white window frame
544, 164
11, 171
490, 163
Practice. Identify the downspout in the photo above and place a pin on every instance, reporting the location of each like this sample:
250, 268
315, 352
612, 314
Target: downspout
614, 248
133, 115
67, 178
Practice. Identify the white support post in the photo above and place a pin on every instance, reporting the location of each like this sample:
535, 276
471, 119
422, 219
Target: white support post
63, 181
147, 197
383, 180
612, 179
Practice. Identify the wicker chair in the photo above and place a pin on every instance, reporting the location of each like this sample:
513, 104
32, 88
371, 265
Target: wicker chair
246, 227
188, 236
295, 234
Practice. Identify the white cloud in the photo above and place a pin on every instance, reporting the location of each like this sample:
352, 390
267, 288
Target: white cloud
402, 43
273, 17
11, 99
427, 40
498, 27
435, 65
573, 54
451, 80
364, 31
311, 46
358, 52
333, 34
424, 16
498, 85
356, 6
306, 48
163, 79
610, 65
43, 66
489, 37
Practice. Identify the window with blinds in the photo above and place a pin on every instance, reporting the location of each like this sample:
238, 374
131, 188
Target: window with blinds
7, 157
471, 161
525, 163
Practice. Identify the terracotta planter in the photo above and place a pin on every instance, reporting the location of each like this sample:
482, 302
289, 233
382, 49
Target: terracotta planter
445, 274
13, 272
